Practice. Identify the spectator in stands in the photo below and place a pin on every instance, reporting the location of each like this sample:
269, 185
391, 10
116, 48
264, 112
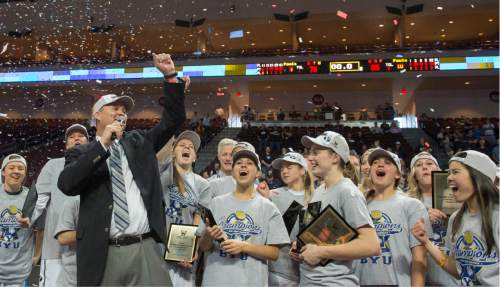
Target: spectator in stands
489, 132
379, 112
275, 140
263, 138
266, 159
337, 111
293, 114
385, 127
376, 144
224, 157
483, 146
423, 146
354, 160
399, 150
207, 122
388, 111
376, 129
494, 153
394, 128
194, 120
245, 114
281, 115
363, 114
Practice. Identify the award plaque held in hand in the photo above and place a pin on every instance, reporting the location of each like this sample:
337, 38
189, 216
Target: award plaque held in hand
328, 228
442, 196
181, 244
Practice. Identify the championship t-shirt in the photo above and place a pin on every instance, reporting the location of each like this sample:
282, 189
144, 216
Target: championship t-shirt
257, 221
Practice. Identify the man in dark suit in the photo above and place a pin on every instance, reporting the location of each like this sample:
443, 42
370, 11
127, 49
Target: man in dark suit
121, 204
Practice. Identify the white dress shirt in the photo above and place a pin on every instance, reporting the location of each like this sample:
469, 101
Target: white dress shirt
138, 216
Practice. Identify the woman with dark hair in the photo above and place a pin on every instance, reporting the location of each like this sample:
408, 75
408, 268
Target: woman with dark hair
472, 234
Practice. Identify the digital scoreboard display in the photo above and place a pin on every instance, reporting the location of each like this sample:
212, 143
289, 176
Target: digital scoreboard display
332, 66
369, 65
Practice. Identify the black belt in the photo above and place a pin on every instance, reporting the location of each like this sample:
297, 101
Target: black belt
127, 240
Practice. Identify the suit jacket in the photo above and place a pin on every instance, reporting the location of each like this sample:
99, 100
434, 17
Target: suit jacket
86, 174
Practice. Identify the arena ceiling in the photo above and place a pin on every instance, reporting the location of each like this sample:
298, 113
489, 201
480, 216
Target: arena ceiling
63, 27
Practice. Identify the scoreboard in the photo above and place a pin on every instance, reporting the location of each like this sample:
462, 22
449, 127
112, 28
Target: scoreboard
332, 66
369, 65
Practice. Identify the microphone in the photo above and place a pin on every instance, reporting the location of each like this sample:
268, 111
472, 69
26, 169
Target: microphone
123, 121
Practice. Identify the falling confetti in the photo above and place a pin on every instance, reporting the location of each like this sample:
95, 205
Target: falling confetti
5, 46
342, 14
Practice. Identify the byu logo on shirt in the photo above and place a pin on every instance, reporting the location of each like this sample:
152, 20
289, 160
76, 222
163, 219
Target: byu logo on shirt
9, 227
471, 254
385, 228
240, 226
178, 202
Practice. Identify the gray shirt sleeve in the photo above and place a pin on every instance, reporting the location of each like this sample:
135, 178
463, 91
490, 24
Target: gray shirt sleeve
449, 235
416, 210
354, 209
68, 219
44, 186
277, 231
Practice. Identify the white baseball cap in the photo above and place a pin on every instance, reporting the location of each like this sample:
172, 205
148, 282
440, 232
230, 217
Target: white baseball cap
247, 153
291, 157
331, 140
109, 99
14, 157
243, 145
76, 127
379, 152
423, 155
478, 161
191, 136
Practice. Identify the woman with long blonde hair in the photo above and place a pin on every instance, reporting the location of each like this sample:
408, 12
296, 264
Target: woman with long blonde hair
420, 187
299, 187
365, 184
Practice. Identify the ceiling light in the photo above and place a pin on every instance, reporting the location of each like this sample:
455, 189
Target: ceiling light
363, 85
443, 35
300, 40
222, 45
248, 32
344, 27
439, 7
467, 83
480, 34
283, 42
490, 20
378, 38
310, 41
472, 5
281, 30
343, 40
252, 44
324, 36
315, 86
309, 28
442, 30
381, 25
451, 22
205, 9
407, 37
412, 24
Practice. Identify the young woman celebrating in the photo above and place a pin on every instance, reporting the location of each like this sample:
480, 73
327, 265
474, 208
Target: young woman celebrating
420, 187
298, 189
472, 234
403, 259
365, 184
248, 233
330, 156
181, 192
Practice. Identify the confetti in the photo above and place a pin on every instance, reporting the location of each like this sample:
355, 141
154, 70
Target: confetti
342, 14
5, 46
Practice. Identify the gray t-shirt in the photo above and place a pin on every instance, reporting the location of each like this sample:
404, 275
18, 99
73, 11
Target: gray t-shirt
257, 221
436, 275
218, 186
283, 197
46, 186
67, 222
16, 243
349, 202
393, 219
474, 265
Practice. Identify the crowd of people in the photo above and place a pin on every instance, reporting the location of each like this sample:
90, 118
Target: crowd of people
109, 208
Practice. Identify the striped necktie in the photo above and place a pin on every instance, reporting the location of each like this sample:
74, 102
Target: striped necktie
120, 208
